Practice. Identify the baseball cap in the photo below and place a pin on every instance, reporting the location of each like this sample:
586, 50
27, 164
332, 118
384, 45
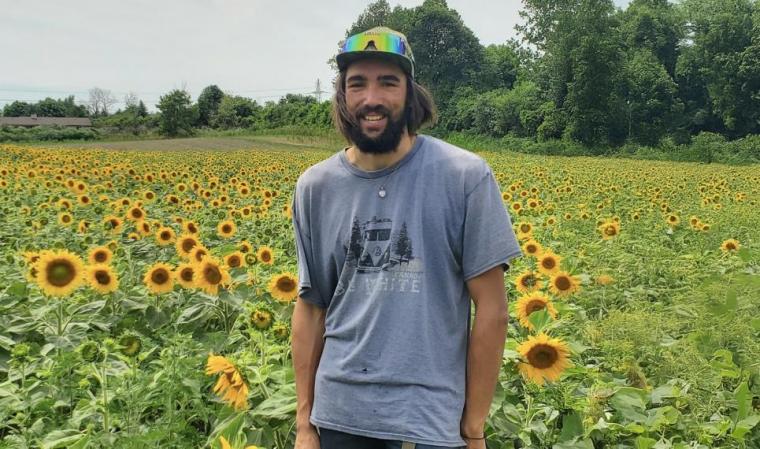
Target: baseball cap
378, 42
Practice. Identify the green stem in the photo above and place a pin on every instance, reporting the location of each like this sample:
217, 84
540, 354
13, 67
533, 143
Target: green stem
104, 380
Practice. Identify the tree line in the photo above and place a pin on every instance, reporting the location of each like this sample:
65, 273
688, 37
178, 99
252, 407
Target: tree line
581, 71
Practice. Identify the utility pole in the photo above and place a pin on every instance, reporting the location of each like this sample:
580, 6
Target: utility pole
318, 92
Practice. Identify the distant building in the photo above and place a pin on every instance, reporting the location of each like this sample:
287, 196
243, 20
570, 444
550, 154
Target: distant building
29, 122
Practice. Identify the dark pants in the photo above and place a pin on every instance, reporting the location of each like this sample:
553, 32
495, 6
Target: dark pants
332, 439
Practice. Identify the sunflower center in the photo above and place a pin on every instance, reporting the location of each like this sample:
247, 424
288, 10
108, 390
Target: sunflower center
61, 272
101, 256
535, 305
562, 283
212, 274
548, 263
137, 213
166, 235
233, 261
531, 248
542, 356
730, 245
188, 244
286, 284
186, 274
610, 230
159, 276
200, 255
102, 277
528, 281
226, 229
266, 256
66, 219
525, 228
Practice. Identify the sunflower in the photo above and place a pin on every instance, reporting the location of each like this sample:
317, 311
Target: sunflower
101, 278
283, 287
65, 219
198, 253
211, 275
165, 236
533, 302
673, 220
245, 247
261, 318
563, 284
159, 278
604, 279
235, 259
135, 214
609, 229
548, 262
100, 255
184, 274
524, 230
59, 272
528, 281
532, 248
545, 358
730, 245
112, 223
83, 226
190, 227
265, 255
226, 229
231, 386
185, 245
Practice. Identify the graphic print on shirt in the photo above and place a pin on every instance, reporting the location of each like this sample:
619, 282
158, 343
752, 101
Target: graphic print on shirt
380, 257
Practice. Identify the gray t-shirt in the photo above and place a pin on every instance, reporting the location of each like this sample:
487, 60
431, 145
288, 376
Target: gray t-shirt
391, 272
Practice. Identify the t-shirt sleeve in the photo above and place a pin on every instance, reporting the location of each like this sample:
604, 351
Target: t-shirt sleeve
304, 250
489, 239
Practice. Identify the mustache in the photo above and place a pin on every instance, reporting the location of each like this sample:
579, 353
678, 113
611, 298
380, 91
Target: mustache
374, 109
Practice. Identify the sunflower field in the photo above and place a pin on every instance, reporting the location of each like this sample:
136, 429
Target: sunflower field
146, 297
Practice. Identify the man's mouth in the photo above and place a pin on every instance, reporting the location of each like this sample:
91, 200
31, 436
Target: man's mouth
373, 117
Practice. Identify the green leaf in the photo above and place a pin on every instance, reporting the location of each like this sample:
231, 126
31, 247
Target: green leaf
744, 426
539, 319
744, 254
62, 438
572, 426
17, 289
631, 403
281, 405
665, 392
644, 443
580, 444
723, 362
743, 401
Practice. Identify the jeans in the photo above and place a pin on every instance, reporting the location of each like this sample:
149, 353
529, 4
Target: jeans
333, 439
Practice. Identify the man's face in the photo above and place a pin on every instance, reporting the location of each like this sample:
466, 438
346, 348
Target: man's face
376, 97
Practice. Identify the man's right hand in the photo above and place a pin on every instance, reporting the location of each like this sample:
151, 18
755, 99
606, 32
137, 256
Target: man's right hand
307, 438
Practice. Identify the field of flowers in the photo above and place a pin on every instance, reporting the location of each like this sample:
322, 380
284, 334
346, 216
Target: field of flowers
146, 298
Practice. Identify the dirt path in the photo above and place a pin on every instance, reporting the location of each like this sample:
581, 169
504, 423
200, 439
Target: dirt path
210, 143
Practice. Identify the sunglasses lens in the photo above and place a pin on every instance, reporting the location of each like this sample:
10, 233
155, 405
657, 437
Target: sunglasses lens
385, 42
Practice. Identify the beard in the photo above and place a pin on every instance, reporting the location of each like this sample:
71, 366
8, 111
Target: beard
387, 141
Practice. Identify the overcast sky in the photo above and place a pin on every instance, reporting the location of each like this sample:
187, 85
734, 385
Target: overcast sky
257, 48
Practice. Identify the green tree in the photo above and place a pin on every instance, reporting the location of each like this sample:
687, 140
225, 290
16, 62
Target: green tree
499, 68
235, 112
651, 95
719, 32
17, 109
654, 25
177, 114
209, 102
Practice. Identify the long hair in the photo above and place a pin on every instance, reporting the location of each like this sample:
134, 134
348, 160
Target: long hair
420, 107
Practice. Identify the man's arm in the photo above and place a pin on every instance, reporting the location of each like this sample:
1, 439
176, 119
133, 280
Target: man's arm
486, 348
308, 324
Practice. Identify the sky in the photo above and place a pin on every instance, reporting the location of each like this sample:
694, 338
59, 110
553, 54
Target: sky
260, 49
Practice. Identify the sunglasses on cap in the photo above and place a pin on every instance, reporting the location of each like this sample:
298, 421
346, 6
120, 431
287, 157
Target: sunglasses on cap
387, 42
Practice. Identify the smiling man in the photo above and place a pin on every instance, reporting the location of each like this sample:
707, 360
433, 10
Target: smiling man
396, 235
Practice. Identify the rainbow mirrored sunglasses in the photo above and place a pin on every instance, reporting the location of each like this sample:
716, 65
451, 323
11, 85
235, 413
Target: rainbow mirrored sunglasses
386, 42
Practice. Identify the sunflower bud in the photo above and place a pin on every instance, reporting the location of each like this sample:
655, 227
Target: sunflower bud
281, 331
90, 352
130, 344
261, 318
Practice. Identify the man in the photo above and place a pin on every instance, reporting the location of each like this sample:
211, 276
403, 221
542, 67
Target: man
394, 235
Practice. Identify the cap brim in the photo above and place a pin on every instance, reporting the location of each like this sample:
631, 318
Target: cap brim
344, 59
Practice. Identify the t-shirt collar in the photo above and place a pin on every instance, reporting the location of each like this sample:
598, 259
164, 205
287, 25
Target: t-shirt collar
383, 171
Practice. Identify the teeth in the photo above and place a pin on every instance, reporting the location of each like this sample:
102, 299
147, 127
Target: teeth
373, 118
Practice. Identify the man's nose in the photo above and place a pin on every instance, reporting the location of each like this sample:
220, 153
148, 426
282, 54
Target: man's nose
373, 96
